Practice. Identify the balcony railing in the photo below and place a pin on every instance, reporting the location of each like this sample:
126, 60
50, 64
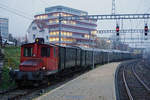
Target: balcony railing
71, 30
76, 37
76, 25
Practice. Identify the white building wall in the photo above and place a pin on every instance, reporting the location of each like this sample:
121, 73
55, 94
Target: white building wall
32, 33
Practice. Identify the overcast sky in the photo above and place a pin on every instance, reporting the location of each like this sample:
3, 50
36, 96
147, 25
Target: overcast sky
19, 25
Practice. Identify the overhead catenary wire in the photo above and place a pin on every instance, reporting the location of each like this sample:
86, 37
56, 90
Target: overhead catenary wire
14, 11
6, 6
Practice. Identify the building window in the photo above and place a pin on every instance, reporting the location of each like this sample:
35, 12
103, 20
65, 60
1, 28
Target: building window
94, 32
33, 36
67, 39
59, 9
57, 21
69, 22
41, 17
50, 21
86, 36
55, 39
47, 37
41, 30
64, 33
53, 21
55, 14
54, 33
52, 39
33, 28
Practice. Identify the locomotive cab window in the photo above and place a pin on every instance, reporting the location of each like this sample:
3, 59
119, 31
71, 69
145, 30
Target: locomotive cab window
27, 51
45, 51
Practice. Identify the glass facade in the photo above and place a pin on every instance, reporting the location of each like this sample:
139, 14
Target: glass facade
4, 27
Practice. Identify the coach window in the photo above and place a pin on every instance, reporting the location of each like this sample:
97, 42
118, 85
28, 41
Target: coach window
54, 52
45, 51
27, 51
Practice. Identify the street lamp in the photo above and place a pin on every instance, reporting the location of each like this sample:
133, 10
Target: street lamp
93, 34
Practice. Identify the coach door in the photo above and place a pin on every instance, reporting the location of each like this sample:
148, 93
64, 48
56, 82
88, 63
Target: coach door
45, 54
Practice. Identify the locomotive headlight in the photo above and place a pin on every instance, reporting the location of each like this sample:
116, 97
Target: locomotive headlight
43, 68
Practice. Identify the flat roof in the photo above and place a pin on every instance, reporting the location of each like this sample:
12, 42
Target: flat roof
4, 18
60, 6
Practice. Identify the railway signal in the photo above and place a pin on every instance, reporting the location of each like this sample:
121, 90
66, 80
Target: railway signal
145, 29
117, 30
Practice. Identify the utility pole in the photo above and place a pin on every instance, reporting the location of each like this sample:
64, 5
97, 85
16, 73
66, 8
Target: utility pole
113, 10
0, 37
93, 51
60, 25
108, 43
89, 39
91, 36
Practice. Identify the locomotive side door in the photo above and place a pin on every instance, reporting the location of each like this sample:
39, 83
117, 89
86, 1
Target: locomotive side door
45, 54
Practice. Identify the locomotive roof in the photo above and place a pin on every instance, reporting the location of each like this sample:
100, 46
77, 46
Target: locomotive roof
83, 48
119, 51
75, 47
38, 44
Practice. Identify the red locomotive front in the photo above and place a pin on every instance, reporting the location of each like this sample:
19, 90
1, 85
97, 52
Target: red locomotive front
37, 61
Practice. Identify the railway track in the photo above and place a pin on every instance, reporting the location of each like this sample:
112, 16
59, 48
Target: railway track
18, 93
15, 95
131, 83
30, 93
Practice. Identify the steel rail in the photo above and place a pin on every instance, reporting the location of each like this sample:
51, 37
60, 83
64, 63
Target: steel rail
145, 86
116, 82
126, 86
21, 95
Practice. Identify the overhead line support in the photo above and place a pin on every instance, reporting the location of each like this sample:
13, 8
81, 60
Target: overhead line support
108, 17
122, 31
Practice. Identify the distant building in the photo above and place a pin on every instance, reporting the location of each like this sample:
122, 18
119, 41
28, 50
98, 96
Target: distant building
73, 32
4, 27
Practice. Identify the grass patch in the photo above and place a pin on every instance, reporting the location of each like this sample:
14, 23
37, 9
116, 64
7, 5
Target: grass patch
12, 56
11, 59
6, 82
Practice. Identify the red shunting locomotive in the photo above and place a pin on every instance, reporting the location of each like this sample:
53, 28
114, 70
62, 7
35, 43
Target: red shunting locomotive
37, 61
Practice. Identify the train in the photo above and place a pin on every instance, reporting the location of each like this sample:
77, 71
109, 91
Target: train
39, 61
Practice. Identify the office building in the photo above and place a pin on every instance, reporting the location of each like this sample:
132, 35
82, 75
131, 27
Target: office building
73, 32
4, 28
